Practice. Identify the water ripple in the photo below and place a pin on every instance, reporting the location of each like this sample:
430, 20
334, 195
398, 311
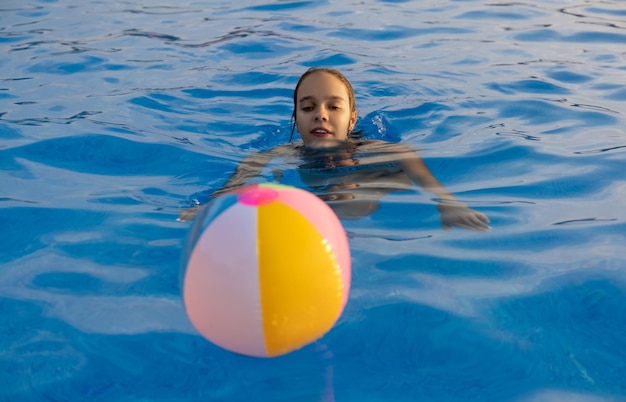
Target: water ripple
115, 115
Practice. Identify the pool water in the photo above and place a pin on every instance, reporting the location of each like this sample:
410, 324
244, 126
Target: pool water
115, 115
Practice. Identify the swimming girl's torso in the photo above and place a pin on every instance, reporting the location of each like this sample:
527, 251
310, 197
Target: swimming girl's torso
362, 162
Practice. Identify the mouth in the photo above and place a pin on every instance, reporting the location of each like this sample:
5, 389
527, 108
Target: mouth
321, 132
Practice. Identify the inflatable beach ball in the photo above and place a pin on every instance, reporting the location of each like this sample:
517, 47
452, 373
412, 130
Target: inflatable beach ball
266, 270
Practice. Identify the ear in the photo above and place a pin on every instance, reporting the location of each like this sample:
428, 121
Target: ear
353, 120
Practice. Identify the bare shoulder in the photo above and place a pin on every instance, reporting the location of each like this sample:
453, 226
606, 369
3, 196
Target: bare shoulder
265, 156
282, 150
365, 143
382, 146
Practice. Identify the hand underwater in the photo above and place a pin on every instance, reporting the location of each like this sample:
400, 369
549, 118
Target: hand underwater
188, 214
461, 216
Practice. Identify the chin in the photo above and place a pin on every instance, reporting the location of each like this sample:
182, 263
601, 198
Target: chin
324, 143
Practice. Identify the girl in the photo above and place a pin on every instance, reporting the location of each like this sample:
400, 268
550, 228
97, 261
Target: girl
350, 174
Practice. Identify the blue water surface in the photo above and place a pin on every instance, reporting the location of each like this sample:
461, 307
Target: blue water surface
115, 115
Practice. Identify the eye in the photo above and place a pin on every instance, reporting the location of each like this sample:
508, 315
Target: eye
306, 108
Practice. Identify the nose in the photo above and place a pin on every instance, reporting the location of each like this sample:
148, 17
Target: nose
321, 114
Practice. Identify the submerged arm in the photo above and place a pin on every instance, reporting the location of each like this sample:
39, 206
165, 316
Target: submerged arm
453, 212
249, 168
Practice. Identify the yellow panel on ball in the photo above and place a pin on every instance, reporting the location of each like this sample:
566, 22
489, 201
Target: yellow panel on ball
301, 286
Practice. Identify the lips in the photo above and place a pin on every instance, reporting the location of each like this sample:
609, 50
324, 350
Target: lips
320, 132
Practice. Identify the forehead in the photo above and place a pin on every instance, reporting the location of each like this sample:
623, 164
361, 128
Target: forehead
323, 84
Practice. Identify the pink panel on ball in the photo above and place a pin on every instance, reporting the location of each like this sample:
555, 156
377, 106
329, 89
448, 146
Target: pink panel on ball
257, 195
221, 285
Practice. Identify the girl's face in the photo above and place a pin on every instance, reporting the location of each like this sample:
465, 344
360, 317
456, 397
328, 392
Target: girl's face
323, 109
